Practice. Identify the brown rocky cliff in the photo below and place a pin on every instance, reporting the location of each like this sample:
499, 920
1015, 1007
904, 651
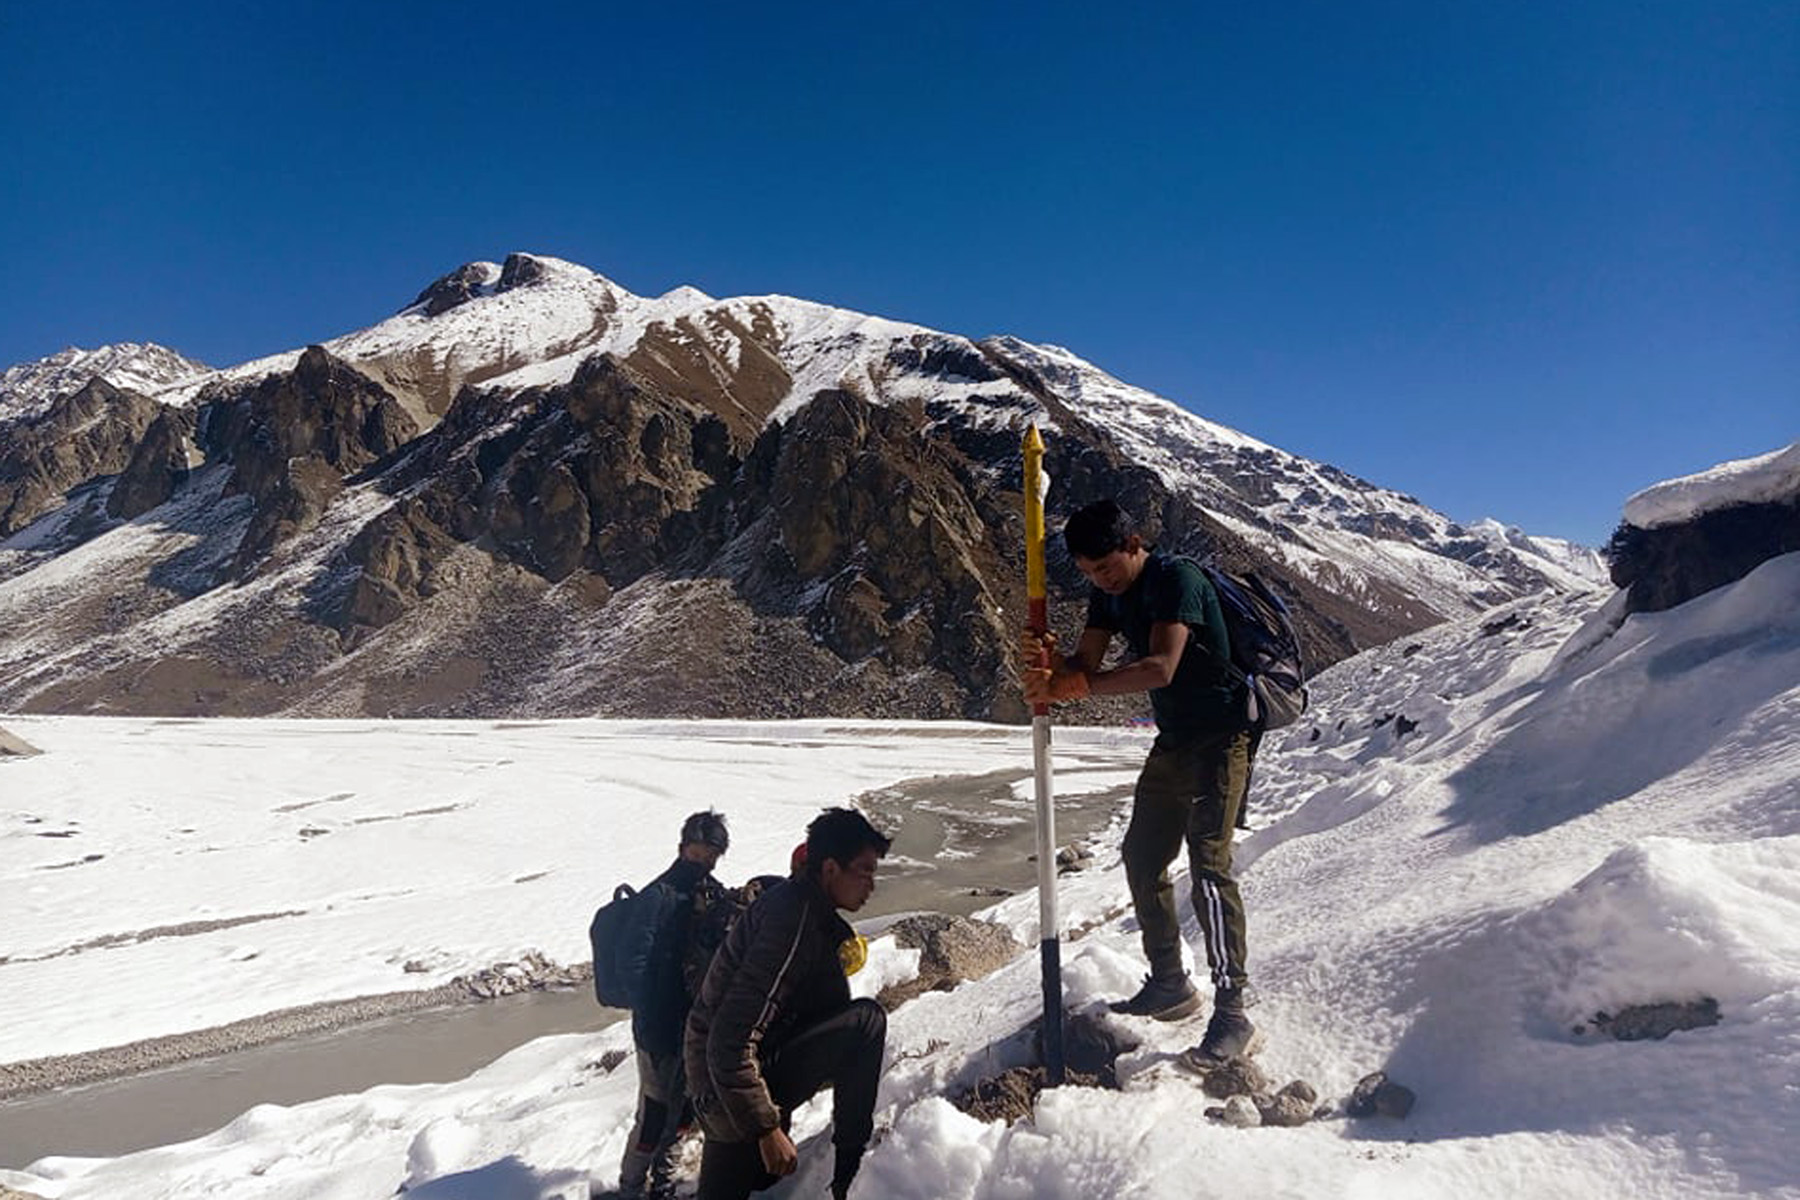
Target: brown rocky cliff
159, 465
640, 542
82, 436
292, 438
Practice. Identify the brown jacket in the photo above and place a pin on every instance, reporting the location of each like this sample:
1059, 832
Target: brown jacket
777, 973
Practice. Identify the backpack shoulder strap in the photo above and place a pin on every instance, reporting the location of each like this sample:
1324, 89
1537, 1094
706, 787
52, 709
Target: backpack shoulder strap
1210, 572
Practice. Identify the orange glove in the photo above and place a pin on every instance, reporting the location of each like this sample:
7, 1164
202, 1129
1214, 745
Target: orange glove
1033, 646
1044, 686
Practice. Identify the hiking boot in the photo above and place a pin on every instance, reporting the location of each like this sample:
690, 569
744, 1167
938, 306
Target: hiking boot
1229, 1035
1162, 999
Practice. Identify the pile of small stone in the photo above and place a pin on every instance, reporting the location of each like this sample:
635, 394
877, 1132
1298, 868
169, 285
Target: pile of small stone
1251, 1098
1073, 858
532, 973
1251, 1101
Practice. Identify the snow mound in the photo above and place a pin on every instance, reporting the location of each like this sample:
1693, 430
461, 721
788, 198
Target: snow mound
1669, 920
1759, 480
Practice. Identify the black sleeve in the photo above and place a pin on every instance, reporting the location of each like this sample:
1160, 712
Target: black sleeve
1102, 613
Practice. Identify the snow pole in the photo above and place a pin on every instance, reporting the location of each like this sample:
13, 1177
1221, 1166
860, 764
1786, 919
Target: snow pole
1037, 485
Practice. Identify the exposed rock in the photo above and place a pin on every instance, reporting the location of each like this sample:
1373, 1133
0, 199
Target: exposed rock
861, 558
458, 287
1502, 624
1641, 1022
158, 466
1235, 1077
292, 440
951, 949
1376, 1095
1672, 564
322, 409
1073, 858
519, 271
533, 973
291, 502
1292, 1106
396, 554
1239, 1111
80, 437
1301, 1089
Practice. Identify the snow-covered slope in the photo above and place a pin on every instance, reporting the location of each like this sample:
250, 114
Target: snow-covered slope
1767, 477
1483, 836
1344, 533
28, 388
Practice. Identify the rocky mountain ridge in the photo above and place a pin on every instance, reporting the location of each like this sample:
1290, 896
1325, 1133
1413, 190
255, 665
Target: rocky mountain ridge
532, 492
28, 389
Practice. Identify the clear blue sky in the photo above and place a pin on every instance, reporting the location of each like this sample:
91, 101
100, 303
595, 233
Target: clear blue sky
1517, 259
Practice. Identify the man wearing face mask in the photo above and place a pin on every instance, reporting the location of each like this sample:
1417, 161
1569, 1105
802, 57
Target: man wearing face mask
657, 943
774, 1023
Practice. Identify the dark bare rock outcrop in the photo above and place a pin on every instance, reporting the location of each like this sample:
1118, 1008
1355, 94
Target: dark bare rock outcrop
1672, 564
159, 465
458, 287
83, 436
293, 438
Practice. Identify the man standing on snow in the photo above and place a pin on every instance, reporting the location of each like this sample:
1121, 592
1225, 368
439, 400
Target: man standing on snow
1193, 782
656, 944
774, 1022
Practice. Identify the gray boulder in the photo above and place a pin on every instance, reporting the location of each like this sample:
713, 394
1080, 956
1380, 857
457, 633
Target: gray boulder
951, 950
1376, 1095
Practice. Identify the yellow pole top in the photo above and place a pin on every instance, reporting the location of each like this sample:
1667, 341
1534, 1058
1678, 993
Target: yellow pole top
1036, 485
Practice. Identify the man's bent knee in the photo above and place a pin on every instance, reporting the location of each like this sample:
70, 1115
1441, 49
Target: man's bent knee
871, 1018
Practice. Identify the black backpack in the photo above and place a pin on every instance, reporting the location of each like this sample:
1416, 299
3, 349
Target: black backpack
1265, 653
611, 988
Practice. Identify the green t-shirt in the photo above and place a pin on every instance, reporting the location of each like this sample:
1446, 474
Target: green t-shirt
1202, 699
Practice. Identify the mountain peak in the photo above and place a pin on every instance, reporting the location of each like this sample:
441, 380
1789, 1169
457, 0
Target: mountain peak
27, 389
478, 279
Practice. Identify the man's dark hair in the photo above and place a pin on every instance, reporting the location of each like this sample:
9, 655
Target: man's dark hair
706, 828
841, 834
1097, 529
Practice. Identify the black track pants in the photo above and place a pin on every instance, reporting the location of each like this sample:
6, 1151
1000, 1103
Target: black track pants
842, 1052
1190, 794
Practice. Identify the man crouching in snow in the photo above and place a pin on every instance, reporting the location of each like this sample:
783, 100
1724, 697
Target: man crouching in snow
774, 1022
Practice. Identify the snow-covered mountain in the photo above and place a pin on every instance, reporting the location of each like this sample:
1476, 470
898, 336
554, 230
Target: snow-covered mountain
533, 322
28, 389
532, 443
